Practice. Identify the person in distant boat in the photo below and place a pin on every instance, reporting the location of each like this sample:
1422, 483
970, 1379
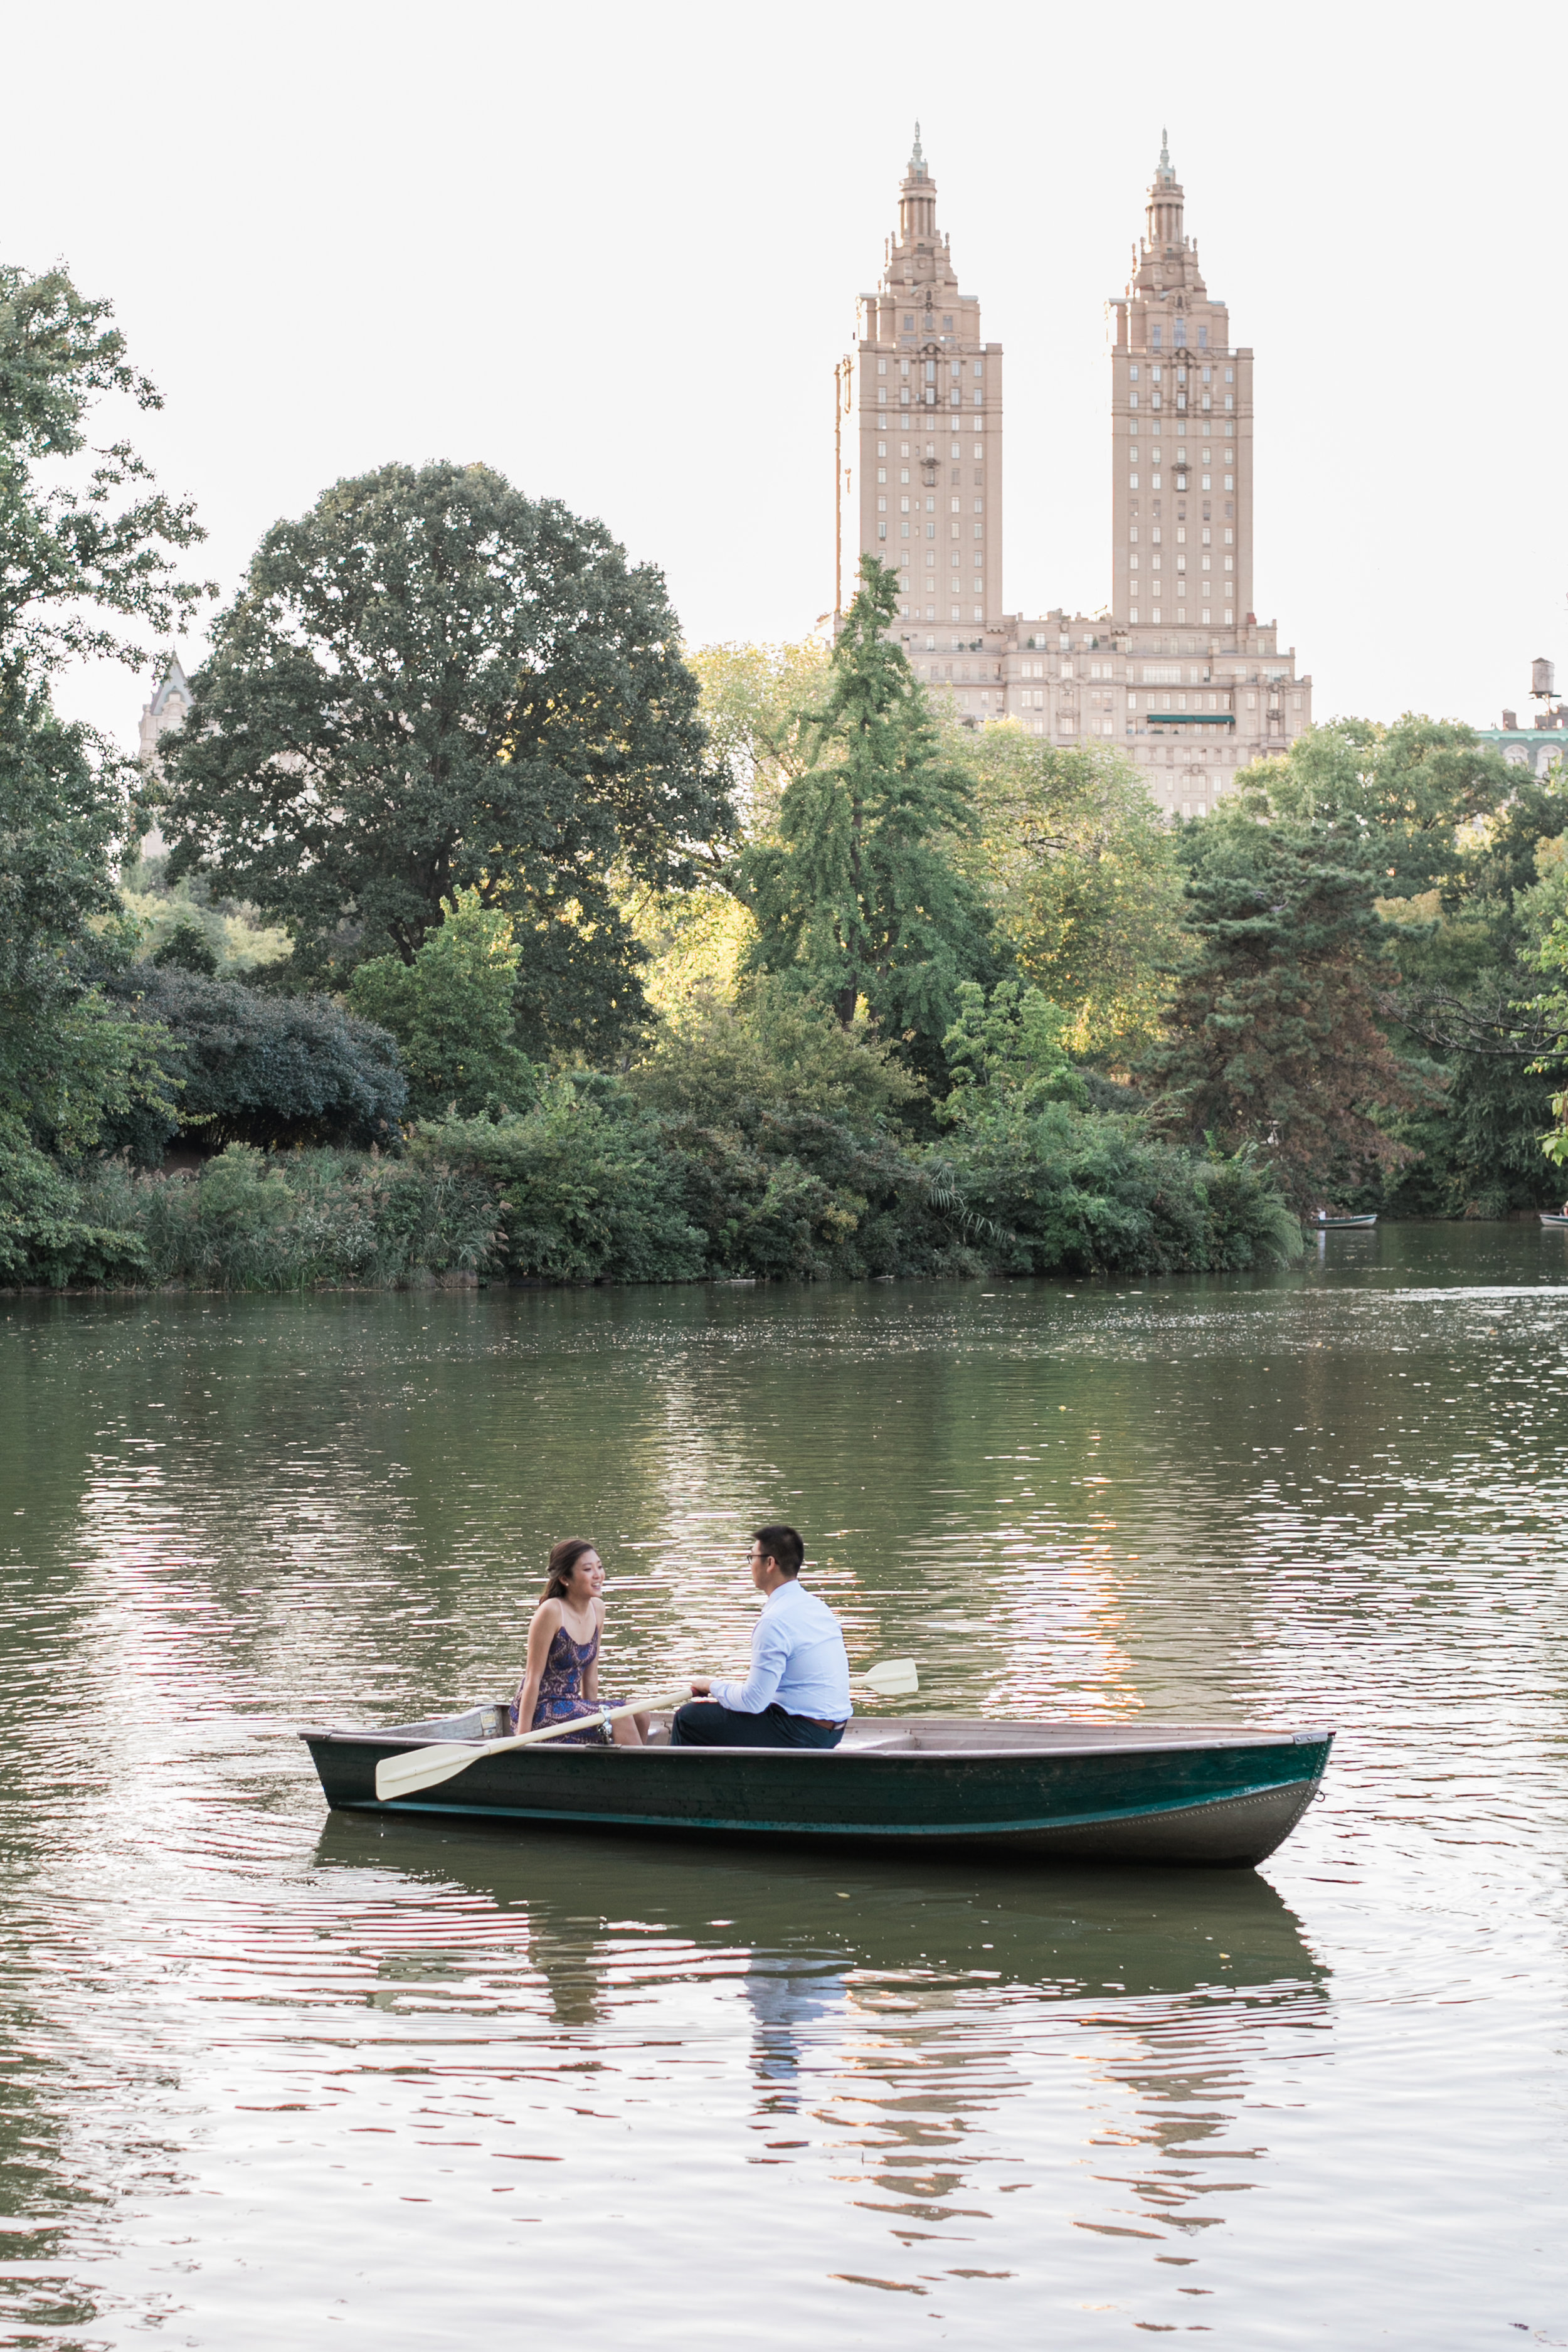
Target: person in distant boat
560, 1676
798, 1692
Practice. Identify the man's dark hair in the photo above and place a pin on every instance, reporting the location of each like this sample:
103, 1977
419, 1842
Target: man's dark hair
783, 1546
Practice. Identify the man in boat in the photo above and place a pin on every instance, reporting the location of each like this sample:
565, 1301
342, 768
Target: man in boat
798, 1692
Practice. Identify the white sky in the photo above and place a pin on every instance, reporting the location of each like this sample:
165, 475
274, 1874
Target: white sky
614, 252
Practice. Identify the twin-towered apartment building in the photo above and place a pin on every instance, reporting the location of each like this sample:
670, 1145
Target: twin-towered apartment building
1176, 669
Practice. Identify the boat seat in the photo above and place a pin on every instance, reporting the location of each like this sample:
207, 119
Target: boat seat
881, 1743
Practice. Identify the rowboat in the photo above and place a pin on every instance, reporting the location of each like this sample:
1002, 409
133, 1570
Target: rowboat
1171, 1793
1550, 1217
1328, 1221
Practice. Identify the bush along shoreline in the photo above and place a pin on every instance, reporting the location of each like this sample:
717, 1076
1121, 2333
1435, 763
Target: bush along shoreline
594, 1184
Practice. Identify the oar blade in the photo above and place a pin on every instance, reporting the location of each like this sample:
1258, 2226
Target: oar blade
421, 1767
894, 1679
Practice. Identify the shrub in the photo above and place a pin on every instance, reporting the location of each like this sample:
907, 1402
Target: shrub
264, 1070
1083, 1192
252, 1220
452, 1011
44, 1235
187, 948
588, 1185
720, 1064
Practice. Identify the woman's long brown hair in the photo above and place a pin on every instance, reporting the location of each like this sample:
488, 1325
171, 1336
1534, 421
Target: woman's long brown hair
564, 1559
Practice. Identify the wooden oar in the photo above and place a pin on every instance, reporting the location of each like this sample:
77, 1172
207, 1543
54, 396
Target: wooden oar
894, 1679
426, 1768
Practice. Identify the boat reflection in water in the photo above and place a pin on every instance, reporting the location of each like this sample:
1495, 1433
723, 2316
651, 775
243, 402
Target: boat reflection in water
941, 2048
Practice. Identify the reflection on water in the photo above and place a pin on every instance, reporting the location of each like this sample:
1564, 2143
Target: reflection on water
269, 2074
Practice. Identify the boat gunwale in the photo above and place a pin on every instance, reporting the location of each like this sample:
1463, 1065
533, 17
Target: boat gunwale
1311, 1737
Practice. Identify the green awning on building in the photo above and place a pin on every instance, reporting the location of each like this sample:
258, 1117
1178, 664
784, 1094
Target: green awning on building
1191, 718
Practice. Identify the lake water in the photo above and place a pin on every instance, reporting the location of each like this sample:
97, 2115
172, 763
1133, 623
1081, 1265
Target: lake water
272, 2077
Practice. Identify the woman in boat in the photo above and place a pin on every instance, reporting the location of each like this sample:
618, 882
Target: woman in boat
561, 1674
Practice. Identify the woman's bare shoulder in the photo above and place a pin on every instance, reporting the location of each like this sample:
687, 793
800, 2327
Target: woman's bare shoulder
549, 1613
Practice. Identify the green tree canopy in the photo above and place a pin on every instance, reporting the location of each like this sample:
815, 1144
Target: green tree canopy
432, 683
1081, 877
87, 555
776, 1051
1400, 793
858, 896
1007, 1056
251, 1069
757, 701
80, 554
1275, 1037
452, 1013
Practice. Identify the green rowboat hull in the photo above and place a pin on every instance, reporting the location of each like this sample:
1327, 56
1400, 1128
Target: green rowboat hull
1068, 1791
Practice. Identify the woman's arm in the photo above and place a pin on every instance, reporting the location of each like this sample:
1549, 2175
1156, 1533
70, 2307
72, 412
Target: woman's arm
542, 1628
591, 1679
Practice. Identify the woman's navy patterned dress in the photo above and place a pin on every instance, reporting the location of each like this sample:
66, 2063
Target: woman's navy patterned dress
561, 1690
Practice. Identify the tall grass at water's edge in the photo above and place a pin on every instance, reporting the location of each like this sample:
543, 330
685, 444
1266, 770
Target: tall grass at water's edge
299, 1220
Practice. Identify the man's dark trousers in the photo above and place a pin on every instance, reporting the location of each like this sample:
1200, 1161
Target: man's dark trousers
703, 1723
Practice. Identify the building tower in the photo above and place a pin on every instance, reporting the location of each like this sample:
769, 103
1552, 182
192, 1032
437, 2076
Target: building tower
1181, 437
171, 701
929, 494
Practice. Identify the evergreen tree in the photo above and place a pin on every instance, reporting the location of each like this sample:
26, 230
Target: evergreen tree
1275, 1037
858, 896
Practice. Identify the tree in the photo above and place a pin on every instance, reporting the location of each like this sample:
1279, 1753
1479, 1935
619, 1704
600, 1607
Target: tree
757, 701
1081, 878
76, 559
1401, 794
429, 684
187, 948
858, 896
1274, 1031
1007, 1056
452, 1013
1450, 832
1544, 912
81, 556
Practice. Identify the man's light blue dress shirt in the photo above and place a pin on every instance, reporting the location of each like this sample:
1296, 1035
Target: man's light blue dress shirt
798, 1661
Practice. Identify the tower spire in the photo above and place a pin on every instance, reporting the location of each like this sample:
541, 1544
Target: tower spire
917, 201
1163, 210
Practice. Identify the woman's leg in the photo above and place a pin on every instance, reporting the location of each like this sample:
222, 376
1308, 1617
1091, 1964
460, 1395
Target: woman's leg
630, 1730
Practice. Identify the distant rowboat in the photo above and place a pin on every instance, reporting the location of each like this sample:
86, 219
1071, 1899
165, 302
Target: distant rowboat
1327, 1222
1128, 1792
1550, 1217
